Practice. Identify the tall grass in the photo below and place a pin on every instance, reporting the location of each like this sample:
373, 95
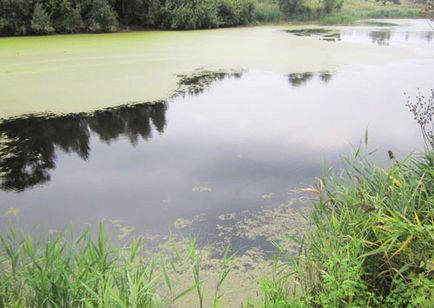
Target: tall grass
371, 242
85, 272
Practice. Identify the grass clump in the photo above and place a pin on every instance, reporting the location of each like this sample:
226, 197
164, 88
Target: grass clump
63, 271
371, 243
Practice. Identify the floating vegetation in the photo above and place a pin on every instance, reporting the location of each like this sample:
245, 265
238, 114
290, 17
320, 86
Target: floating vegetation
268, 196
376, 23
229, 216
28, 144
244, 230
123, 231
332, 37
201, 189
309, 31
321, 33
182, 223
197, 82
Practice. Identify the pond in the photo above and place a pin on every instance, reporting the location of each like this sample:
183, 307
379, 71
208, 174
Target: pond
216, 152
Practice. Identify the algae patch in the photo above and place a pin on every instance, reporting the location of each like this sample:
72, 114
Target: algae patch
201, 189
320, 33
100, 71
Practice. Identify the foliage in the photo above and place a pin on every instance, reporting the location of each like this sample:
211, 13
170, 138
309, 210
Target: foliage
64, 271
372, 239
41, 23
267, 11
355, 9
334, 19
72, 16
15, 16
308, 9
188, 14
18, 17
290, 8
429, 11
236, 12
99, 16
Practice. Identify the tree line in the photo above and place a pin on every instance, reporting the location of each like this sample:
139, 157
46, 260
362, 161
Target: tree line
22, 17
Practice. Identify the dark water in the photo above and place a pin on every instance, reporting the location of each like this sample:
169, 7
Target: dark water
241, 144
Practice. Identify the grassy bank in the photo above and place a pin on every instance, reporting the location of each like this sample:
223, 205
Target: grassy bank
354, 10
371, 243
67, 271
67, 16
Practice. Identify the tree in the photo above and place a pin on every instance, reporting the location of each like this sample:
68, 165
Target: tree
291, 8
430, 9
65, 15
100, 16
331, 5
15, 16
41, 22
236, 12
72, 21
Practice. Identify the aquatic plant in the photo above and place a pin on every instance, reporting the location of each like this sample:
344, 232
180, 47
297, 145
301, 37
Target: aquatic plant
371, 243
67, 271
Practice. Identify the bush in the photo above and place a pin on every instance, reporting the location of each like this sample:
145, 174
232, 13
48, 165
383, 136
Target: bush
304, 9
290, 8
15, 16
100, 16
236, 12
267, 12
41, 23
73, 22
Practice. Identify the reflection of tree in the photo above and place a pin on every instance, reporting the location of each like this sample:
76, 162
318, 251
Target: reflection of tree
428, 36
199, 81
298, 79
381, 38
28, 145
325, 76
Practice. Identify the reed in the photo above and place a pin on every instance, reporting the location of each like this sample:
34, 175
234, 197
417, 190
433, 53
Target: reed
63, 271
372, 239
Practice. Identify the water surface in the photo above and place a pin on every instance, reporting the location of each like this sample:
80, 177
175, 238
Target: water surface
77, 73
233, 147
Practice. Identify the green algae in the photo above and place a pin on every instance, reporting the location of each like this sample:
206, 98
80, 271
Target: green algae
82, 73
309, 31
274, 224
